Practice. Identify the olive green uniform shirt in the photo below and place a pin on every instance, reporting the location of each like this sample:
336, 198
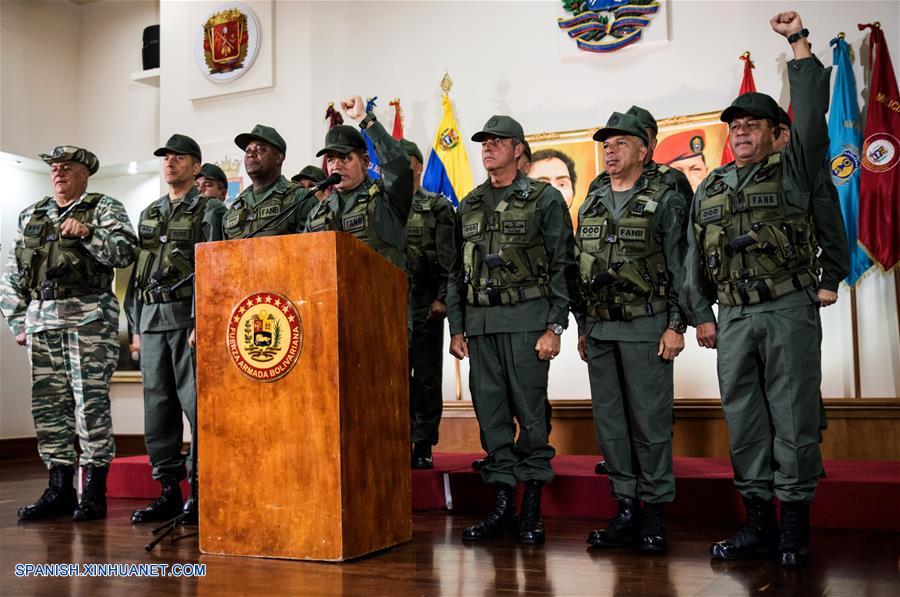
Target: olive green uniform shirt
163, 317
527, 316
801, 163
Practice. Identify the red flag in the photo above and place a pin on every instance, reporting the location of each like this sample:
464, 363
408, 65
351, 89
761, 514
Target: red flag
397, 133
334, 118
879, 180
747, 84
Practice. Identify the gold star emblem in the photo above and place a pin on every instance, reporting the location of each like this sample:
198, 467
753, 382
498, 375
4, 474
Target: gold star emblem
250, 303
291, 318
242, 310
258, 300
277, 302
285, 309
236, 319
268, 298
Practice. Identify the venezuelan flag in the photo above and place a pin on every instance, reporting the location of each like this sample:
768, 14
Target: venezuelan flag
448, 170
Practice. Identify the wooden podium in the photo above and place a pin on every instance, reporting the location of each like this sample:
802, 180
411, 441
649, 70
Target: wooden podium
313, 464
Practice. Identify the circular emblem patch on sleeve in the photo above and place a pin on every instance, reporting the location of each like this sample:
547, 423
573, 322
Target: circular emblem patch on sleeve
265, 336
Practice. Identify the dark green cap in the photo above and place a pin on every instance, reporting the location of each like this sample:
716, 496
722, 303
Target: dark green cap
412, 150
500, 126
213, 172
784, 119
310, 173
181, 144
645, 117
622, 124
343, 139
752, 103
263, 133
527, 152
70, 153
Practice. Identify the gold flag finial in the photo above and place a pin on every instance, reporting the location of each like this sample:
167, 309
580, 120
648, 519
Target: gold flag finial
446, 83
841, 35
746, 54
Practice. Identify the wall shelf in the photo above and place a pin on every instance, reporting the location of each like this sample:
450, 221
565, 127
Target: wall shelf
146, 77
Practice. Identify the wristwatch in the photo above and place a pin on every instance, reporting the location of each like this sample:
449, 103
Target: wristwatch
677, 326
795, 37
365, 122
556, 328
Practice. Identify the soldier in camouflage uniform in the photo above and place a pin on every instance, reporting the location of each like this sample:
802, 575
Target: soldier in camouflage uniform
212, 182
56, 294
374, 211
309, 177
430, 254
160, 307
264, 205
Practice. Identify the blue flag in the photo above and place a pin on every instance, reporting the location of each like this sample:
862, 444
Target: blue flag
845, 133
374, 164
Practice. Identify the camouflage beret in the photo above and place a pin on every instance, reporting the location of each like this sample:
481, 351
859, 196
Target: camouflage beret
70, 153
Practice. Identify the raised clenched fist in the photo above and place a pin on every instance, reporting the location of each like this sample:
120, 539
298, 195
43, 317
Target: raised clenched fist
786, 23
354, 107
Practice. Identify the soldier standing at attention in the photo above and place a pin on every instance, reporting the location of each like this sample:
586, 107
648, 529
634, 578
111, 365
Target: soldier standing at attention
374, 211
56, 295
271, 194
430, 256
753, 249
508, 304
160, 307
630, 246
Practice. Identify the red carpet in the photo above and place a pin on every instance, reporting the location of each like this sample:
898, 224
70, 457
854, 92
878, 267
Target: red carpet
855, 495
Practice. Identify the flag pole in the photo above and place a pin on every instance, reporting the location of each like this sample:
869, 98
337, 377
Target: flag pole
854, 330
897, 297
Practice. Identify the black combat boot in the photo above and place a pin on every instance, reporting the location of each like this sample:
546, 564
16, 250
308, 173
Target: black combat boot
498, 519
531, 525
793, 546
59, 498
93, 500
191, 509
621, 530
653, 530
756, 539
165, 507
421, 456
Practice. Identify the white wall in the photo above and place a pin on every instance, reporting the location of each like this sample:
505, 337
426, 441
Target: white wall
40, 102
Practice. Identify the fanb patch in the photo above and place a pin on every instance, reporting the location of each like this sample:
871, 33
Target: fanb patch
471, 229
147, 231
627, 233
513, 227
711, 214
591, 232
270, 211
763, 200
354, 223
414, 231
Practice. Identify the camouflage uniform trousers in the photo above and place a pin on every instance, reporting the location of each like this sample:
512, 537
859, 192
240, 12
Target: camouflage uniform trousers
70, 373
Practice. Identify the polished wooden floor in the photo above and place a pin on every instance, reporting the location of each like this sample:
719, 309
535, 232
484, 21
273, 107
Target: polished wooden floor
433, 563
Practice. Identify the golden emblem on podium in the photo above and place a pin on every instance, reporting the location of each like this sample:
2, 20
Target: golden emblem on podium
265, 336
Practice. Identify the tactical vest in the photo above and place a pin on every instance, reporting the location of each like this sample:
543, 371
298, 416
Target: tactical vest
360, 222
421, 248
56, 267
166, 253
758, 243
622, 267
504, 258
241, 220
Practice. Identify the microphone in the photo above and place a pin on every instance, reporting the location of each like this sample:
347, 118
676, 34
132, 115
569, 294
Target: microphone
331, 180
